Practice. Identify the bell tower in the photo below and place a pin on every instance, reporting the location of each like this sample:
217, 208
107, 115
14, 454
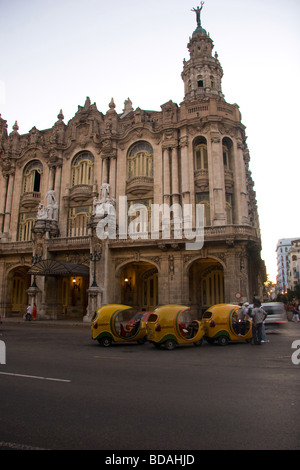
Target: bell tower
202, 74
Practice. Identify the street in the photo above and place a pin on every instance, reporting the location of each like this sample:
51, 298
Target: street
61, 390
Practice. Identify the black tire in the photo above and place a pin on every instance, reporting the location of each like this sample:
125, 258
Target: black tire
105, 341
198, 343
223, 340
170, 344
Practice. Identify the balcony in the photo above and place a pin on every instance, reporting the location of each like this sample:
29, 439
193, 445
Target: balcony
81, 192
201, 180
139, 185
69, 243
213, 234
30, 200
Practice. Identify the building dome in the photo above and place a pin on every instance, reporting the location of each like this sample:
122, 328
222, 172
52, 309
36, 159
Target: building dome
200, 30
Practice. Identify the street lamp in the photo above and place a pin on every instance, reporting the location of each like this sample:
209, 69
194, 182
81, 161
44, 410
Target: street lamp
94, 258
34, 260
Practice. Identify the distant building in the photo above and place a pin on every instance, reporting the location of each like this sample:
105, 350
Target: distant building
56, 184
282, 250
294, 264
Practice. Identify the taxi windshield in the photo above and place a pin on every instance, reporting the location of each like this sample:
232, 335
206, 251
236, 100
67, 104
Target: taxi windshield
126, 324
188, 326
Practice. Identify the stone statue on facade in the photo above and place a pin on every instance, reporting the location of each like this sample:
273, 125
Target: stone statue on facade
50, 211
105, 203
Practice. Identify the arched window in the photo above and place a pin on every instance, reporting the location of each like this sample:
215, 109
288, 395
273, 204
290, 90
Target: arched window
226, 159
203, 198
82, 169
26, 223
32, 177
78, 220
227, 149
200, 81
140, 160
200, 154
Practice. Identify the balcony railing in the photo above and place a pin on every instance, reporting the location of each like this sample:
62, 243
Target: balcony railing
30, 199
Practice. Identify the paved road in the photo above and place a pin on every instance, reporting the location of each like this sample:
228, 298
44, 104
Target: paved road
65, 391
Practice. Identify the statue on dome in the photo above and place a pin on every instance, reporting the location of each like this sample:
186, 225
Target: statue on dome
198, 13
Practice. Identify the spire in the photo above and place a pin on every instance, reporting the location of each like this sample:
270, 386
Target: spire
15, 126
202, 74
60, 116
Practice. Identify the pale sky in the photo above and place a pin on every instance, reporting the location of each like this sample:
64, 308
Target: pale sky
55, 53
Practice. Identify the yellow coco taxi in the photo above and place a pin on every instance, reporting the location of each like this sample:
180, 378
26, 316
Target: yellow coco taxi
114, 323
170, 325
224, 323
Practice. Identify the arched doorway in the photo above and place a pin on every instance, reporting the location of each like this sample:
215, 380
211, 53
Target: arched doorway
73, 296
139, 285
206, 284
18, 282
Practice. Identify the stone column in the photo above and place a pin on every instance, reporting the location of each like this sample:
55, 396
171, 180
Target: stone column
104, 170
175, 175
218, 183
166, 176
51, 177
95, 290
8, 207
3, 200
240, 185
94, 302
112, 176
57, 187
185, 170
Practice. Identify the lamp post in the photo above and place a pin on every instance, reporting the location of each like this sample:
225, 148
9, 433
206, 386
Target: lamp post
34, 260
94, 258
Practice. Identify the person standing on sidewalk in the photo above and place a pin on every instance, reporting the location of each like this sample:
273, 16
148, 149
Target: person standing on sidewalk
28, 313
258, 316
34, 312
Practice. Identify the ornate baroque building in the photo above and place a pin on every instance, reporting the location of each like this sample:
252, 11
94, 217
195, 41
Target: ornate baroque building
55, 185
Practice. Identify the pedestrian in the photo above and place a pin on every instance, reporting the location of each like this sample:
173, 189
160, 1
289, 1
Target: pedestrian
34, 312
243, 316
263, 332
244, 312
28, 313
295, 312
258, 316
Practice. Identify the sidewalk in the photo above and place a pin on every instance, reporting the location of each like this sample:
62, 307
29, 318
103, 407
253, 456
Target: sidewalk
20, 320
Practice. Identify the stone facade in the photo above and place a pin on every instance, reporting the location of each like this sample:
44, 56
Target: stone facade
53, 182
